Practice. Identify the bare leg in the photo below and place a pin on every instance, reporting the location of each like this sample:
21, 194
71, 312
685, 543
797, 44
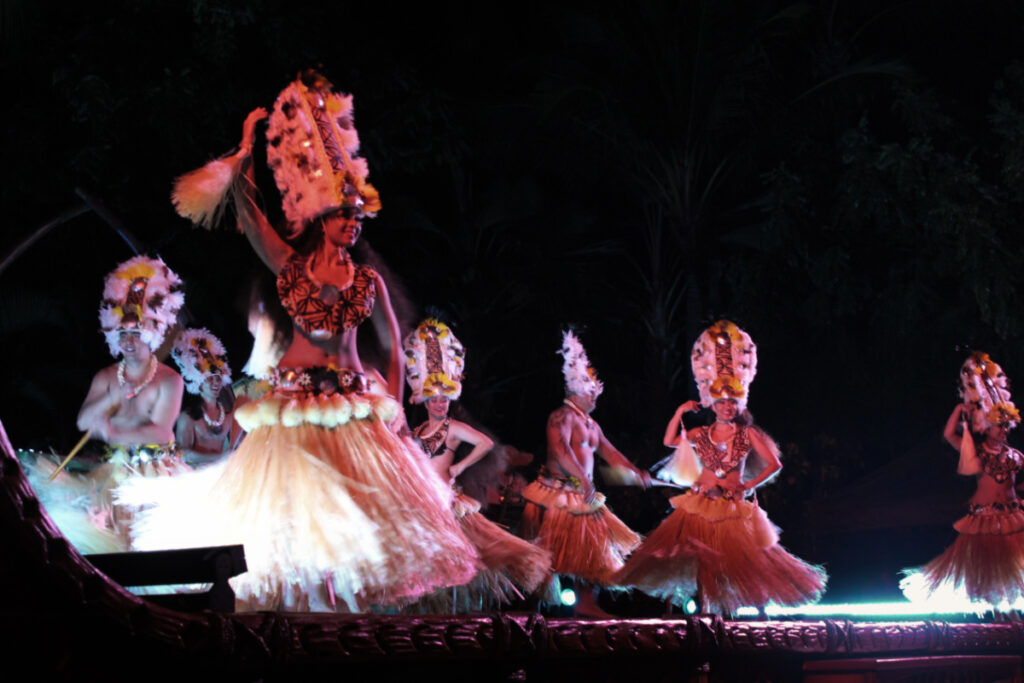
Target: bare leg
586, 602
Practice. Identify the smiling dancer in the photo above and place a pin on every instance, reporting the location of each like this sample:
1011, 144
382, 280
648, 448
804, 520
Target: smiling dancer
984, 568
717, 545
335, 512
206, 430
512, 567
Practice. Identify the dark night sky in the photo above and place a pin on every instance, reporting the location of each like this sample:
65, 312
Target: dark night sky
636, 172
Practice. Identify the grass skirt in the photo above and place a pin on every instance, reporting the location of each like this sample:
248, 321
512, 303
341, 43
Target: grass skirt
984, 565
585, 540
82, 504
725, 551
511, 569
336, 518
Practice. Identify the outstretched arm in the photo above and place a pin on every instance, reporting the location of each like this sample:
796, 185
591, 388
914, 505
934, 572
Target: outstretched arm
466, 434
674, 431
767, 449
958, 415
611, 455
268, 245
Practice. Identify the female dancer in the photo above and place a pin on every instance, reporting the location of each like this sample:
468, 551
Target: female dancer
334, 511
716, 544
986, 562
435, 372
206, 429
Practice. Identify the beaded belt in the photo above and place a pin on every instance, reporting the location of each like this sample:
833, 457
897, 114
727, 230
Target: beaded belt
140, 455
566, 482
316, 380
994, 508
717, 491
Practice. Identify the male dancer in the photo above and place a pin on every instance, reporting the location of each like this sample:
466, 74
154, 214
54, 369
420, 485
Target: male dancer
565, 512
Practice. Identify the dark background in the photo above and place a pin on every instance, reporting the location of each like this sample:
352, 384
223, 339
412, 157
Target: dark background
842, 179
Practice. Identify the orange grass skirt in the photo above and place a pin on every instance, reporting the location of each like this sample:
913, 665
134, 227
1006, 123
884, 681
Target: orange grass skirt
585, 540
724, 552
984, 564
335, 518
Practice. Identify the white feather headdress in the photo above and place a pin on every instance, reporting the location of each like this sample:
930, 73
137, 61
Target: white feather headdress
313, 147
435, 362
986, 389
580, 377
144, 294
724, 362
200, 355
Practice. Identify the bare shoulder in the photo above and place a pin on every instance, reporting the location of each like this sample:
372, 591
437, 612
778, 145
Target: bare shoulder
167, 377
561, 417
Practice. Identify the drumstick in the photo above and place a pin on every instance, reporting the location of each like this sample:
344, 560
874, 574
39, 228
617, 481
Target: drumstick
74, 451
81, 442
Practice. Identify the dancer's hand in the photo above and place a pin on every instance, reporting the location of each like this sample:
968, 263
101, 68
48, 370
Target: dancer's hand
589, 491
249, 130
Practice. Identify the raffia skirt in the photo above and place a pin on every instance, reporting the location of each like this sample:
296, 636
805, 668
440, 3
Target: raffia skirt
82, 504
585, 540
726, 552
512, 568
335, 514
985, 564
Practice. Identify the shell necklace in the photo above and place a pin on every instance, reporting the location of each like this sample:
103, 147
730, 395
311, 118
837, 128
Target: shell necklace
134, 391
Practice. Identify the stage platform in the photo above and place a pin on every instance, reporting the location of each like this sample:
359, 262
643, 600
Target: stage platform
64, 619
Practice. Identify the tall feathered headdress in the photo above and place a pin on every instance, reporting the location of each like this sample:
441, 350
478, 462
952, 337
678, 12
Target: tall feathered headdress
142, 294
986, 390
313, 147
724, 362
580, 377
313, 151
435, 362
200, 355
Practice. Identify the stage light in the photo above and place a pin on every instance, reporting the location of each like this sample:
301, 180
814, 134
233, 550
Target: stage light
691, 607
881, 609
568, 597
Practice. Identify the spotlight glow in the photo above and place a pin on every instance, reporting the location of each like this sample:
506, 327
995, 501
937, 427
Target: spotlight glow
568, 597
691, 607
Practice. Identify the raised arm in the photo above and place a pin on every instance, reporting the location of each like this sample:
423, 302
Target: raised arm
674, 431
954, 421
466, 434
611, 455
767, 449
267, 244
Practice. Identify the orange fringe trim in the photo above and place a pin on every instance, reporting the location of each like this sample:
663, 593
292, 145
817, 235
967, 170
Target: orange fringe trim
725, 551
585, 540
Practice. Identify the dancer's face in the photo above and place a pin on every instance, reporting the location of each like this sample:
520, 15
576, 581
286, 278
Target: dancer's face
437, 407
211, 386
131, 344
725, 409
342, 228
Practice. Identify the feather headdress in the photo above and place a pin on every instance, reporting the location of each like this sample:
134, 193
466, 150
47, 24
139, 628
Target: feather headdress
580, 377
986, 390
142, 294
724, 362
435, 362
312, 148
200, 355
313, 151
